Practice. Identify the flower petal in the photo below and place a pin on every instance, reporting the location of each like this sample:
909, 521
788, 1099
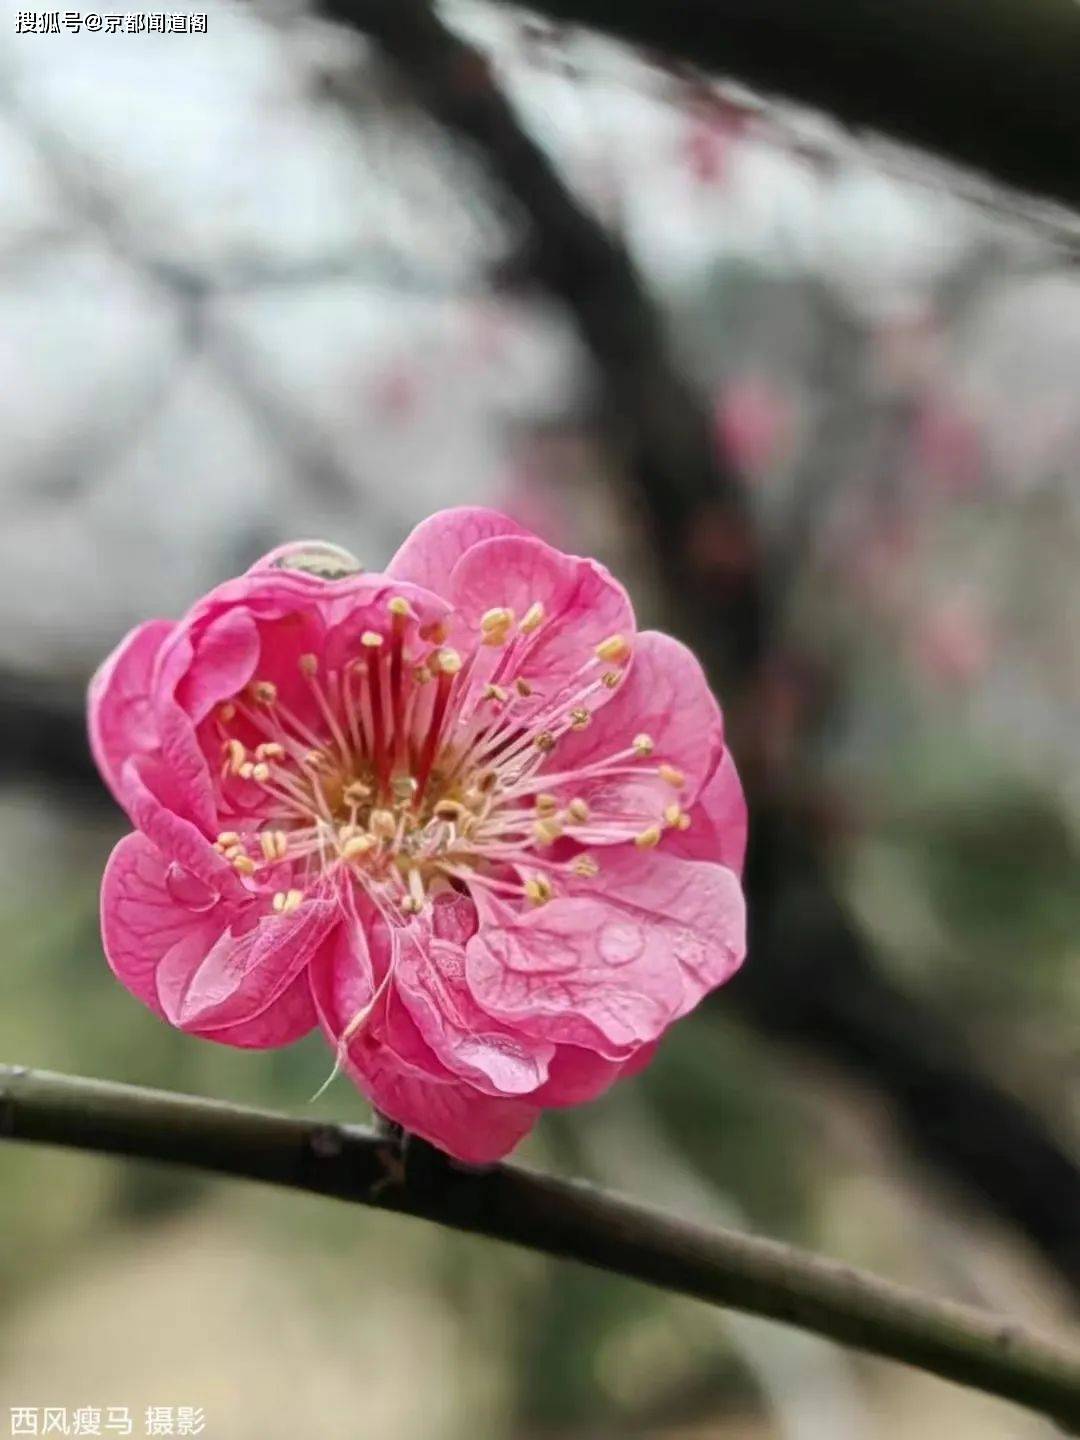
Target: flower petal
610, 972
244, 972
435, 546
429, 976
718, 822
665, 695
392, 1065
121, 718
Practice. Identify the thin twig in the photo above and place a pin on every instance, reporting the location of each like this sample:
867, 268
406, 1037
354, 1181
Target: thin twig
558, 1217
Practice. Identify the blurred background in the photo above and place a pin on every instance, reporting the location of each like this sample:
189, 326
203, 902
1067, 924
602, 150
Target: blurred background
820, 410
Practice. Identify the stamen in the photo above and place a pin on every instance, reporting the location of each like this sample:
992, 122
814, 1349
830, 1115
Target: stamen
227, 712
539, 889
285, 901
647, 839
235, 754
244, 864
586, 867
545, 742
578, 810
675, 778
523, 687
643, 744
547, 831
495, 625
579, 718
309, 665
263, 692
532, 619
614, 649
357, 846
546, 803
383, 823
271, 750
610, 679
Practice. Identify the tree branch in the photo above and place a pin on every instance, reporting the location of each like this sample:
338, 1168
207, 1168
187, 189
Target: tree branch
557, 1217
990, 84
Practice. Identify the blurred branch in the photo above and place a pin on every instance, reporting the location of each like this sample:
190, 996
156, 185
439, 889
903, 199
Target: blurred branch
990, 84
557, 1217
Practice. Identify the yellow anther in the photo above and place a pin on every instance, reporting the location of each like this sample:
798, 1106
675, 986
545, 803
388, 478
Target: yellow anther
538, 889
648, 838
611, 678
347, 831
533, 618
578, 810
672, 814
422, 675
448, 810
227, 712
399, 606
545, 741
497, 693
286, 900
683, 822
260, 772
546, 804
227, 838
271, 750
448, 661
246, 771
268, 845
371, 639
357, 846
643, 744
522, 687
494, 621
264, 691
614, 649
404, 787
315, 759
675, 778
579, 718
235, 755
356, 792
231, 851
309, 664
586, 867
244, 864
383, 823
434, 632
547, 831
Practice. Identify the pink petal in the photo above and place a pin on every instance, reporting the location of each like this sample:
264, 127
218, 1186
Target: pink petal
141, 920
718, 822
478, 1129
120, 713
287, 1019
430, 553
223, 661
610, 972
147, 786
242, 974
429, 976
583, 605
665, 695
391, 1064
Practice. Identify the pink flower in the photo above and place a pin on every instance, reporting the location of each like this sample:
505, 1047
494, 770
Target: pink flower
457, 814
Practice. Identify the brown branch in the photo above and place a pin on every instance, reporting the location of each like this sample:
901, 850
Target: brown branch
557, 1217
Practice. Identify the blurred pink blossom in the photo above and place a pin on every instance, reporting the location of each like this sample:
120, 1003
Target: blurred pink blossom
754, 423
459, 815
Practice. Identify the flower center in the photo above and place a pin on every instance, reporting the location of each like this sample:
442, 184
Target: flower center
408, 770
